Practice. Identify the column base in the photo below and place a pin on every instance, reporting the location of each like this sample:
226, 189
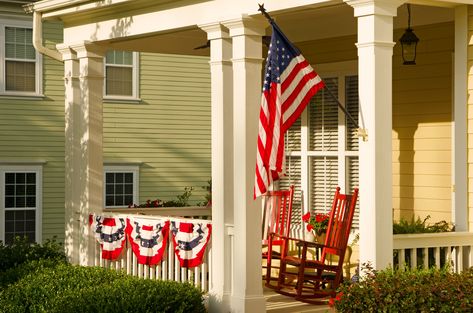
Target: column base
217, 303
249, 304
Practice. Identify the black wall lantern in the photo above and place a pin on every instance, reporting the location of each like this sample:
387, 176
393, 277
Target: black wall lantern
409, 42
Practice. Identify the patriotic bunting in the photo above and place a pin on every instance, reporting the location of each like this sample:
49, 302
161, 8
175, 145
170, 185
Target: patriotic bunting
110, 233
148, 239
190, 241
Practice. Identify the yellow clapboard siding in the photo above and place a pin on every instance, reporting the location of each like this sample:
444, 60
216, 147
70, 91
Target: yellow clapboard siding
420, 180
424, 168
422, 192
419, 144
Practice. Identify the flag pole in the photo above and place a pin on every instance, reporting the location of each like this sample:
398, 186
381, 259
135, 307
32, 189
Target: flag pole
360, 131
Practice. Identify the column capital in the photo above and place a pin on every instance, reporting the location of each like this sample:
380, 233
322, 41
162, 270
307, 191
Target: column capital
214, 30
245, 25
86, 49
375, 7
66, 51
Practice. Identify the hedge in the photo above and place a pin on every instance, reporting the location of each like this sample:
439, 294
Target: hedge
421, 290
68, 288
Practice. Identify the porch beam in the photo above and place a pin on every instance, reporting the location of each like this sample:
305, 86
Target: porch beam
247, 291
83, 145
375, 50
222, 163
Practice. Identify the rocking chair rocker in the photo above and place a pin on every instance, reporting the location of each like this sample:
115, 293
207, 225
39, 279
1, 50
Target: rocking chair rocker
310, 280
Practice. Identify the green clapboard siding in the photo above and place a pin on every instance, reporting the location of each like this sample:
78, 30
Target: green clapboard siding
168, 131
34, 130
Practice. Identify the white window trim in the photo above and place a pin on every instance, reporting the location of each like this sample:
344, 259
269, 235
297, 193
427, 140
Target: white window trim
38, 169
38, 68
134, 169
135, 97
340, 70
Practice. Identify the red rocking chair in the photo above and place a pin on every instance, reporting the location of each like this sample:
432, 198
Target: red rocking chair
277, 213
310, 280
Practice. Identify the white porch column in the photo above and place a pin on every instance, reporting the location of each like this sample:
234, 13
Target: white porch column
222, 164
72, 99
375, 50
247, 291
83, 145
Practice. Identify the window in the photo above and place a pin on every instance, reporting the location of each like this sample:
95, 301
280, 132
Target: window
21, 66
121, 186
121, 75
20, 208
322, 146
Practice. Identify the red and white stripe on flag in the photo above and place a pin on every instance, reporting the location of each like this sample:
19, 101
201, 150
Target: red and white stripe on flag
148, 238
110, 233
190, 241
289, 84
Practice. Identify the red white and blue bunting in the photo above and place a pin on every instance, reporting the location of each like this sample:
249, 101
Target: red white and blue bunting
110, 233
190, 241
148, 238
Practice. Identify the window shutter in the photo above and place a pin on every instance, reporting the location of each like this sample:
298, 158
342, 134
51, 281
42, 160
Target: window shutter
323, 119
353, 181
351, 98
324, 181
293, 177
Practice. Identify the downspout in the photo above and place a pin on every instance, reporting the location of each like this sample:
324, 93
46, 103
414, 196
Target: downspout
38, 38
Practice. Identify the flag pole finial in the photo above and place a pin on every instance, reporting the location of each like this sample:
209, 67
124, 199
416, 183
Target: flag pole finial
265, 14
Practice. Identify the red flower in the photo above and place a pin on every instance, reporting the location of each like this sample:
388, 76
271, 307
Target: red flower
309, 227
338, 297
306, 217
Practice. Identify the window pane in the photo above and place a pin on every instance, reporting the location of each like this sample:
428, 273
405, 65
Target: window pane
30, 190
352, 182
119, 81
129, 178
118, 192
293, 177
324, 181
30, 202
20, 190
293, 137
9, 178
20, 178
20, 223
351, 98
9, 190
19, 43
31, 178
20, 202
119, 57
323, 119
9, 202
20, 76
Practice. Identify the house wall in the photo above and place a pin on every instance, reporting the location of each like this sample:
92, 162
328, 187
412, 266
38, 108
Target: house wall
470, 117
168, 131
422, 114
33, 130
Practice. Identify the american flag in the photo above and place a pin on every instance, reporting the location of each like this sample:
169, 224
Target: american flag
289, 83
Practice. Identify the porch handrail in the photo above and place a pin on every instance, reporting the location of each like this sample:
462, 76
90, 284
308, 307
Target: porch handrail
434, 250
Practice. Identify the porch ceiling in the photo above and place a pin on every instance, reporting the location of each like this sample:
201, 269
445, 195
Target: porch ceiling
170, 26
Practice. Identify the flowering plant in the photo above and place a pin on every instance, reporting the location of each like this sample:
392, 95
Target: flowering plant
317, 223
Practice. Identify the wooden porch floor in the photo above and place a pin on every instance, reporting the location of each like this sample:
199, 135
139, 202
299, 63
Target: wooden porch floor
276, 303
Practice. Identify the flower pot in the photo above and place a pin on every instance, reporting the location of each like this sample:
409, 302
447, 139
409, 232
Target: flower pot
309, 236
320, 238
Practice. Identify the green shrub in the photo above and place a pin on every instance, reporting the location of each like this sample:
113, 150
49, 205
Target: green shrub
415, 226
431, 290
67, 288
22, 251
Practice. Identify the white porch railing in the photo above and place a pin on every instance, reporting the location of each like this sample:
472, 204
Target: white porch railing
434, 250
169, 268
